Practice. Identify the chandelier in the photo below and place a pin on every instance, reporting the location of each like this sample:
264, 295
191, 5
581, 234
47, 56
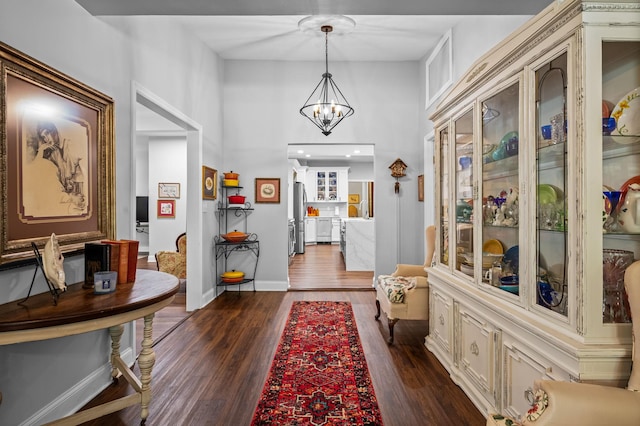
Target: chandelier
326, 106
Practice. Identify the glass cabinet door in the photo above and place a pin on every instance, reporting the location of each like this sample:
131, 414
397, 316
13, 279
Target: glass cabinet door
620, 173
464, 192
321, 186
551, 171
332, 192
500, 189
443, 161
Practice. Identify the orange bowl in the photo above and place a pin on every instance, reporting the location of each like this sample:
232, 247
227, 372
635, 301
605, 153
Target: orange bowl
232, 280
235, 237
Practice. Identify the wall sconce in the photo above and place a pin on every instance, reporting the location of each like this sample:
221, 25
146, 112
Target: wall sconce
397, 171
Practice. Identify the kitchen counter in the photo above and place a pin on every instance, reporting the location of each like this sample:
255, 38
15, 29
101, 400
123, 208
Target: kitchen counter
358, 247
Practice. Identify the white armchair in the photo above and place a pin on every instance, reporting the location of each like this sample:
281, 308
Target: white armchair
405, 293
564, 403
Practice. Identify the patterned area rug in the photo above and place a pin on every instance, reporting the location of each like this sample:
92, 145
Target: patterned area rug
319, 375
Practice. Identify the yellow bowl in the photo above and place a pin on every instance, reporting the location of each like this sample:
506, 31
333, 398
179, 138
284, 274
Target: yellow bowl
232, 274
230, 182
493, 247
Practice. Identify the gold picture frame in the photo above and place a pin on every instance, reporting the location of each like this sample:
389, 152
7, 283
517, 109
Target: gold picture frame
421, 188
209, 183
268, 190
354, 198
57, 160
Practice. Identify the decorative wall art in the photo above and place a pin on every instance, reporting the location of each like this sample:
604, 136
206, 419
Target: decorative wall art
57, 159
209, 183
397, 171
166, 208
168, 190
354, 198
267, 190
421, 188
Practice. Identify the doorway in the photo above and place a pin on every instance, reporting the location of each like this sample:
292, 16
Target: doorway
194, 222
320, 265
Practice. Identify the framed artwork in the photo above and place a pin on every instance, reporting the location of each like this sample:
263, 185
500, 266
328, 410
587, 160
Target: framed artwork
56, 160
168, 190
421, 188
209, 183
354, 198
166, 208
267, 190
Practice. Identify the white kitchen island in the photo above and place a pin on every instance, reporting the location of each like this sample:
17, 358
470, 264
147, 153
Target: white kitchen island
357, 243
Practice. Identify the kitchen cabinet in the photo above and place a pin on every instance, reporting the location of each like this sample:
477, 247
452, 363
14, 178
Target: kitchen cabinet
235, 255
327, 184
530, 175
310, 230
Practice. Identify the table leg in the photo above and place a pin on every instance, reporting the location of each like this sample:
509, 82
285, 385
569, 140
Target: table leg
116, 333
146, 360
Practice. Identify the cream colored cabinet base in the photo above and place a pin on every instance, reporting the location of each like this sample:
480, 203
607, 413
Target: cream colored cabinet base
476, 346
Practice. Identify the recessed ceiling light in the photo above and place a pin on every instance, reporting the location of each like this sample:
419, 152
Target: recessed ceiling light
308, 155
300, 151
357, 151
348, 155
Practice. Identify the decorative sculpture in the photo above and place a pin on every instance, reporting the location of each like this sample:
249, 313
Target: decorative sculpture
397, 171
53, 260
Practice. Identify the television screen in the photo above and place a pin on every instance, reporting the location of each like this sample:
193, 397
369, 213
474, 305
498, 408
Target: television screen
142, 209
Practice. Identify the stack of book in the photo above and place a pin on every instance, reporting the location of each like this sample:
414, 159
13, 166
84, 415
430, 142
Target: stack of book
120, 256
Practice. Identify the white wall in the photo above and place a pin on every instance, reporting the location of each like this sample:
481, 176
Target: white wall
48, 379
167, 163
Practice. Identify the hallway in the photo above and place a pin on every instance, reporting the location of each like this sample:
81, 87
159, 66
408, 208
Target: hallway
321, 267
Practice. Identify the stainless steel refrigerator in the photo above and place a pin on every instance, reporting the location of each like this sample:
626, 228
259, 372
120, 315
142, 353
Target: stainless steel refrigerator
299, 211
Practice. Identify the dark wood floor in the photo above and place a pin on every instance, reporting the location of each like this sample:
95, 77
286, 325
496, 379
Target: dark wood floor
210, 370
322, 267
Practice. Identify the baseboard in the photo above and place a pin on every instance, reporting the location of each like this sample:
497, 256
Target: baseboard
272, 285
78, 395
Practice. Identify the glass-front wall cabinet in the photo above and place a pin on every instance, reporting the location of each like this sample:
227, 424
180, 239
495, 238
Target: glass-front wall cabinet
551, 183
620, 173
500, 217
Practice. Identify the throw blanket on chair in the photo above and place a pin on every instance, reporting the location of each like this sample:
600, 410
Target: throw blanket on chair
396, 287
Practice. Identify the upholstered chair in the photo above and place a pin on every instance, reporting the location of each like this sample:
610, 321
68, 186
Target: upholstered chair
404, 295
174, 262
564, 403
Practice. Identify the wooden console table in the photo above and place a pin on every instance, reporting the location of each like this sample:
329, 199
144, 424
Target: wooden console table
80, 311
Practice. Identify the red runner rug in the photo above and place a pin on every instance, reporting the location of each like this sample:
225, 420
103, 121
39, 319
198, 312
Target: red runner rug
319, 375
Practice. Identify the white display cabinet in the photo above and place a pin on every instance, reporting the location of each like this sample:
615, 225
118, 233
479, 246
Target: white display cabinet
535, 145
327, 184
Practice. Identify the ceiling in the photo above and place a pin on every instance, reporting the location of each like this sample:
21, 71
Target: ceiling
347, 153
398, 30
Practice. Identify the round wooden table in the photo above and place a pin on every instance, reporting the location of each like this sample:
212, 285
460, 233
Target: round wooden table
79, 311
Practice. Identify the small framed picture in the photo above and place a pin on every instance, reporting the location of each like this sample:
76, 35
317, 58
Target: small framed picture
168, 190
421, 188
267, 190
209, 183
166, 208
354, 198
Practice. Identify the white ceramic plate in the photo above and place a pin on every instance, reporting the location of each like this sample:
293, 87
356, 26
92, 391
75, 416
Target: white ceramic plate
627, 115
